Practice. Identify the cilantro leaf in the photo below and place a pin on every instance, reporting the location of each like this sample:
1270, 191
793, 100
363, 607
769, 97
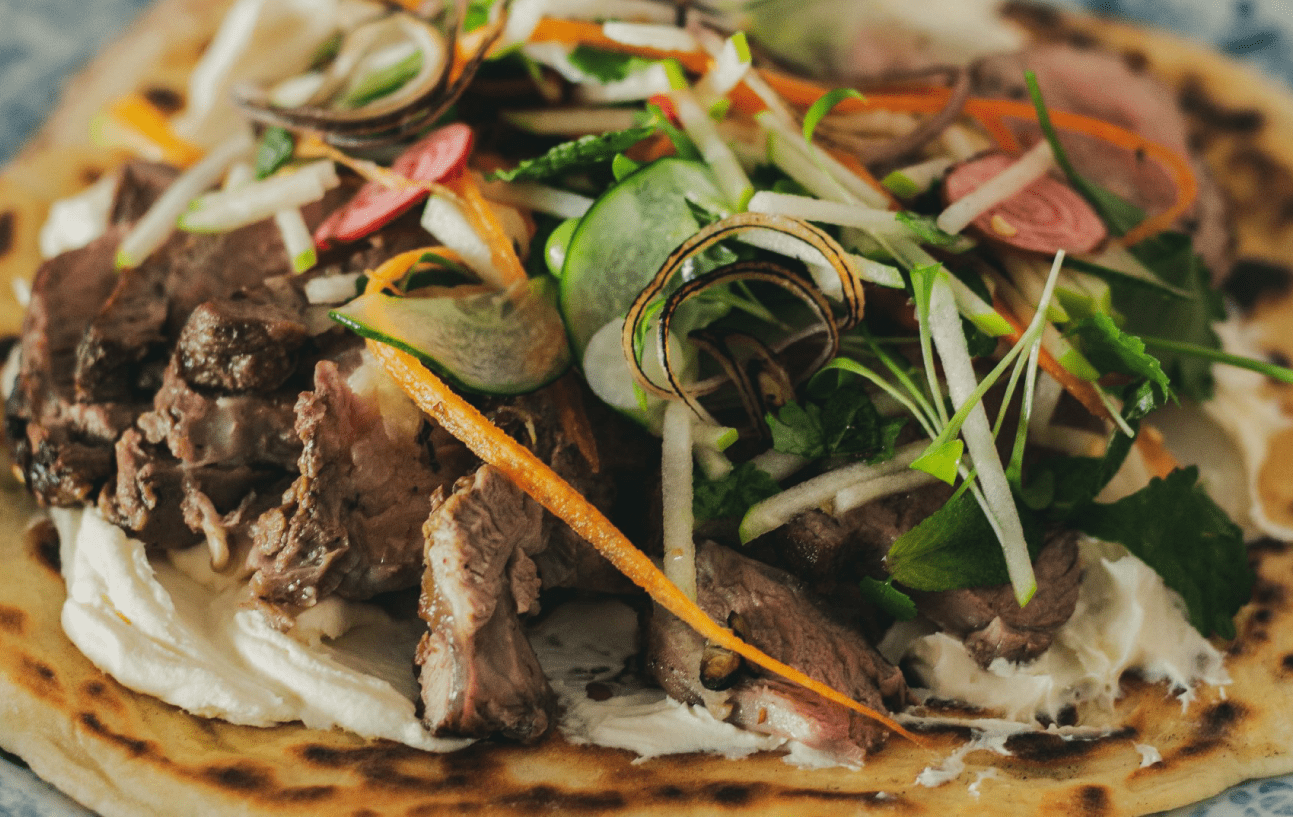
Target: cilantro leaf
1176, 528
580, 153
733, 494
1112, 350
889, 598
606, 66
842, 423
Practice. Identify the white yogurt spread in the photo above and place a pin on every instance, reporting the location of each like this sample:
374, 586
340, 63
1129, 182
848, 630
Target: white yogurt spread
1126, 619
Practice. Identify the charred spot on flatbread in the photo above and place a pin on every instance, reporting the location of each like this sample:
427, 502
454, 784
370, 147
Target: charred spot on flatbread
12, 620
7, 219
42, 541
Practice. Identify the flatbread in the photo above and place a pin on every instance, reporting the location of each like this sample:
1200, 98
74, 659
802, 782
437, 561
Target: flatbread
122, 753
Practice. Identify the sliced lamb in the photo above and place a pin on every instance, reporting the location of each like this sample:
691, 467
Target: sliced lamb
138, 187
200, 428
479, 674
350, 524
63, 450
780, 618
166, 503
129, 339
627, 461
248, 342
992, 623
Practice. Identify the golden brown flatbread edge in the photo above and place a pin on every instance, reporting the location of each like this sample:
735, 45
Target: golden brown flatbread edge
121, 753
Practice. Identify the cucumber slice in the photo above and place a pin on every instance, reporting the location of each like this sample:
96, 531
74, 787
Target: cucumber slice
486, 342
626, 235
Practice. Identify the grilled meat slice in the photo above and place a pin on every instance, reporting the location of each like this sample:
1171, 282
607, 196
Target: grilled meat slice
992, 623
479, 674
782, 619
350, 523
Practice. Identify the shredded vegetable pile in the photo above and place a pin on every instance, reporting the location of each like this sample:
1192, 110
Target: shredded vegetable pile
808, 316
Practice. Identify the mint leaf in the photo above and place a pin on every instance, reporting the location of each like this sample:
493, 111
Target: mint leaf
1176, 528
1112, 350
606, 66
580, 153
841, 421
1064, 486
952, 547
733, 494
888, 598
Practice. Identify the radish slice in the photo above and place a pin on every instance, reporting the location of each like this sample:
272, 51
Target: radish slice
1044, 215
440, 153
975, 191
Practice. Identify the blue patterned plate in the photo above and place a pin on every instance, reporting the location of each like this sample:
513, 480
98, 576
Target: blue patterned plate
40, 43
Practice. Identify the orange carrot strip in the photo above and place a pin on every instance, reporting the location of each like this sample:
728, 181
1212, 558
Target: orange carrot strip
483, 220
1154, 452
580, 32
534, 477
1176, 165
1082, 390
143, 117
989, 113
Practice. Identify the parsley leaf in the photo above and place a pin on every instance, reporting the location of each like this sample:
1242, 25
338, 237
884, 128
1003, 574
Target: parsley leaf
733, 494
844, 423
1112, 350
1176, 528
580, 153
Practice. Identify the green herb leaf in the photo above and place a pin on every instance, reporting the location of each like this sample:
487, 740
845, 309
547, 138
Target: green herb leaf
889, 598
580, 153
1176, 528
818, 110
732, 495
927, 231
842, 422
477, 14
276, 147
1110, 349
606, 66
1171, 257
1063, 486
953, 547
